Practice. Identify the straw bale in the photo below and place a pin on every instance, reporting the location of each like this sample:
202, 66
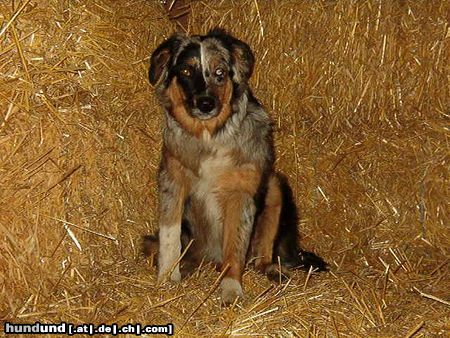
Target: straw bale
360, 97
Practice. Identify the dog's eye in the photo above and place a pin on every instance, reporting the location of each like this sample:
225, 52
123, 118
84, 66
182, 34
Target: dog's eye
220, 72
186, 72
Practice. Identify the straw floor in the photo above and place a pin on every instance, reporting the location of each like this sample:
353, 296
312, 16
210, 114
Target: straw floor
360, 96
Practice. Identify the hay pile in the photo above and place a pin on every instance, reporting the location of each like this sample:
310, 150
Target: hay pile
360, 96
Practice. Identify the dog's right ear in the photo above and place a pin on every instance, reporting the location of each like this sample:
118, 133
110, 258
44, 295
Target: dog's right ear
162, 57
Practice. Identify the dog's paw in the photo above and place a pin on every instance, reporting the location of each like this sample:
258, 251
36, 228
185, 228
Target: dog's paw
231, 289
275, 275
175, 276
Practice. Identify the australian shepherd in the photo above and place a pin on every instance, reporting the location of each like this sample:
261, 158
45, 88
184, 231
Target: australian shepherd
218, 190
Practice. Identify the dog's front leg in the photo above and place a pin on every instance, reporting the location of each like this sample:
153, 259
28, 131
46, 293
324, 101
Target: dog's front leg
172, 191
238, 216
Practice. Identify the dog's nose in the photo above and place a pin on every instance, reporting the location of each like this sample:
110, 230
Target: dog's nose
206, 104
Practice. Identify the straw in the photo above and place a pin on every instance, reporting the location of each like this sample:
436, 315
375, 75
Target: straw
360, 98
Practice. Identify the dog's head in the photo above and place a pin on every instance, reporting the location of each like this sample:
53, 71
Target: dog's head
197, 77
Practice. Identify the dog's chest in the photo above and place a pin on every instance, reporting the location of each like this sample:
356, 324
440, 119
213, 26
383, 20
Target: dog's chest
205, 191
211, 168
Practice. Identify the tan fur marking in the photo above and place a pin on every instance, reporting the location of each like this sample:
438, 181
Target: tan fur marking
232, 216
234, 186
245, 178
267, 225
214, 61
192, 125
194, 62
178, 109
238, 215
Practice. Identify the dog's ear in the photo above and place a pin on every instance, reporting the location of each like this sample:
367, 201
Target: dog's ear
242, 56
162, 57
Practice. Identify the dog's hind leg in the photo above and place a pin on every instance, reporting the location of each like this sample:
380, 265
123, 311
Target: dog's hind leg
150, 245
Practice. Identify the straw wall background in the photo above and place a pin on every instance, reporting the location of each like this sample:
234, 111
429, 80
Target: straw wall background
359, 92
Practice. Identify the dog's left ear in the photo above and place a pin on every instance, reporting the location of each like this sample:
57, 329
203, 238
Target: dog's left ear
161, 58
242, 56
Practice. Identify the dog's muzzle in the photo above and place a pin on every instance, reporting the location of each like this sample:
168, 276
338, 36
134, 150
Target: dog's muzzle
205, 107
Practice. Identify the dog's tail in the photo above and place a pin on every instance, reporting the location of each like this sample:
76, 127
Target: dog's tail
286, 243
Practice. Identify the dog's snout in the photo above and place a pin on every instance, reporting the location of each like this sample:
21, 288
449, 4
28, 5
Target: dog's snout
206, 104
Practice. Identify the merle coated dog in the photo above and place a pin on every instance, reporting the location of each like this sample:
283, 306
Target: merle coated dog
218, 190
